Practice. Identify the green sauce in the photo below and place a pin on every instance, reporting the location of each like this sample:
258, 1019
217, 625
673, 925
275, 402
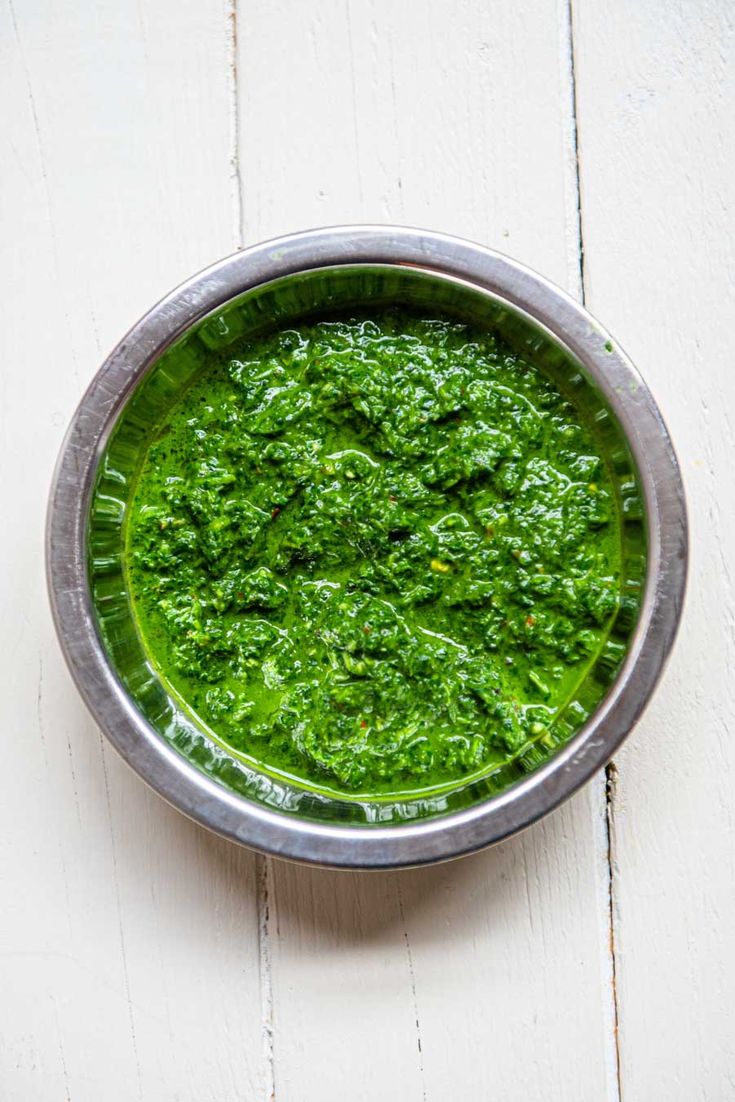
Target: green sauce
378, 555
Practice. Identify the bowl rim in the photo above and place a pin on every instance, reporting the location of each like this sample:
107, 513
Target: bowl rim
234, 816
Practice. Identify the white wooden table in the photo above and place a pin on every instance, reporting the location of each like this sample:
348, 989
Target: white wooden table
591, 958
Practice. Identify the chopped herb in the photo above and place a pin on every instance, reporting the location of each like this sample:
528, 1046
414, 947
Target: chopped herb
441, 557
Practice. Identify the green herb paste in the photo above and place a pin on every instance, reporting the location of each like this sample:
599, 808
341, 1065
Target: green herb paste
378, 555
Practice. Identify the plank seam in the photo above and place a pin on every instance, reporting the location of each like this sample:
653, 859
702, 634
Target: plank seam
611, 780
234, 98
414, 998
610, 769
263, 878
263, 887
574, 135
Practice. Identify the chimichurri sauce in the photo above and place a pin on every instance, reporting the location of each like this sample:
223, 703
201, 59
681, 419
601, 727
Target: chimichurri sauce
376, 554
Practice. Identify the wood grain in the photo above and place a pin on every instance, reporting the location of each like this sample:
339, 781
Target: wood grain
139, 956
128, 939
453, 982
657, 97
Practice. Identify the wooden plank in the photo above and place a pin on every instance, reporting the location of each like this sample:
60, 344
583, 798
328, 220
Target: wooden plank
129, 938
487, 978
657, 98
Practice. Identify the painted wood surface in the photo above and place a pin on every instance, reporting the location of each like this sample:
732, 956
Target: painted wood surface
348, 113
129, 964
139, 956
657, 152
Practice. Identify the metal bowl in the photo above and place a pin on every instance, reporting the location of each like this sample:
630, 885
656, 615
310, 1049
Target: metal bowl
470, 279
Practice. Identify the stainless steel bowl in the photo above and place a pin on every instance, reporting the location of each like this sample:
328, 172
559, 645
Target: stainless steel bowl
515, 296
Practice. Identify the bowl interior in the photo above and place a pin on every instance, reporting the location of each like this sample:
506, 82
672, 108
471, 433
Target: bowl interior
323, 292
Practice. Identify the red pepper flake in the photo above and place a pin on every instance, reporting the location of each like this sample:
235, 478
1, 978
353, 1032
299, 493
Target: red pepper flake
530, 620
275, 512
367, 629
363, 723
